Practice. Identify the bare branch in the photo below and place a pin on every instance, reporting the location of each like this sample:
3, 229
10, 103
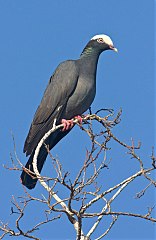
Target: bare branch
115, 218
85, 190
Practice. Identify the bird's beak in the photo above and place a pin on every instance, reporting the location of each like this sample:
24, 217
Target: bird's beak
113, 48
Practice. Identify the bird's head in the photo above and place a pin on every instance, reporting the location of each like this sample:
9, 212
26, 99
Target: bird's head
97, 45
103, 42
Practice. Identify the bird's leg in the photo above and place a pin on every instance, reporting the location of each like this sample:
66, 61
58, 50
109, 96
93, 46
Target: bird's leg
79, 118
67, 124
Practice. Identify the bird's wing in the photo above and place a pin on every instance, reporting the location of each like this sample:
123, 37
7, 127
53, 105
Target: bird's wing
61, 86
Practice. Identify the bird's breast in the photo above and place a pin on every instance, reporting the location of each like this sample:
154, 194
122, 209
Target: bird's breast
82, 97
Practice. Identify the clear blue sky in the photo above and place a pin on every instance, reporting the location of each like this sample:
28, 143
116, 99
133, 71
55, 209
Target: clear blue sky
35, 36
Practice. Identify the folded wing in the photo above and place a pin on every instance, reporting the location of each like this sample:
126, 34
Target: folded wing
60, 87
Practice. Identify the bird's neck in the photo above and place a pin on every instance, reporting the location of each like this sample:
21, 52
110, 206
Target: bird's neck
89, 59
89, 51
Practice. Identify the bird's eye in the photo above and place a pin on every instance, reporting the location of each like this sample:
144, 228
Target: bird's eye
100, 40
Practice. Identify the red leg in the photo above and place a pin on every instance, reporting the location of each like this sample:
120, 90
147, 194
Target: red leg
67, 124
79, 119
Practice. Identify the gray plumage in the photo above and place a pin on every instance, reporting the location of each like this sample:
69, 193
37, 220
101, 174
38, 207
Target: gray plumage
70, 92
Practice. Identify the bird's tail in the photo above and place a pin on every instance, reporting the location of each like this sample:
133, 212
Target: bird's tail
26, 179
30, 180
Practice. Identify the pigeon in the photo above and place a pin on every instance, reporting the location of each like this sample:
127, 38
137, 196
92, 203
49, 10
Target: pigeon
70, 92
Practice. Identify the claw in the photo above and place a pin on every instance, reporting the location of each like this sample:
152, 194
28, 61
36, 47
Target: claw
67, 124
79, 119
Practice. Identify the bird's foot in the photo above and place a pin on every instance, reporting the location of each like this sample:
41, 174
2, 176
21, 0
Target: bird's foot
79, 118
67, 124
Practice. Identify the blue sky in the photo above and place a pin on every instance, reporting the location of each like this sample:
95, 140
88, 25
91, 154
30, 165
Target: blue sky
35, 36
